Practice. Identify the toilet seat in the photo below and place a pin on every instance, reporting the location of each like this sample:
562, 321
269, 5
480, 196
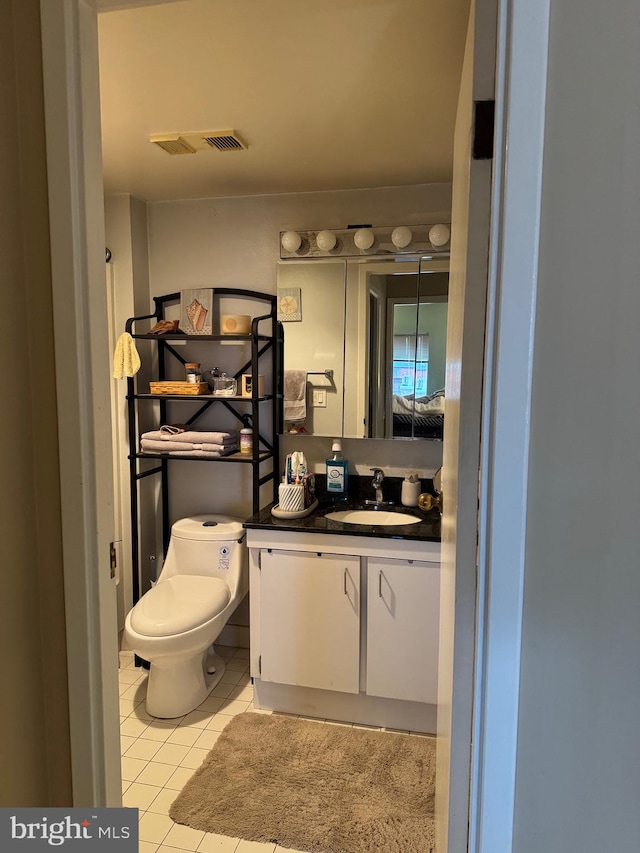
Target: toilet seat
178, 604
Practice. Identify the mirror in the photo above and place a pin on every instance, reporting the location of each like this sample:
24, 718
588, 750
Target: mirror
314, 338
382, 325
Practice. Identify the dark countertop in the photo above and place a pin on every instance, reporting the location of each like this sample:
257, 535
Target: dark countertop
428, 529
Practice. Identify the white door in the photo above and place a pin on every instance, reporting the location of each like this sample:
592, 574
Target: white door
468, 276
310, 620
403, 602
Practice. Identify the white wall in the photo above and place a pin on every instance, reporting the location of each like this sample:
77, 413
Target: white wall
578, 746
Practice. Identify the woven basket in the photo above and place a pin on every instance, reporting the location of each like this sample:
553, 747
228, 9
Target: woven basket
190, 388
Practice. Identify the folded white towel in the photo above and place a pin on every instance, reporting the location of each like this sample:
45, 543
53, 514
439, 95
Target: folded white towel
126, 361
150, 446
192, 436
295, 395
203, 453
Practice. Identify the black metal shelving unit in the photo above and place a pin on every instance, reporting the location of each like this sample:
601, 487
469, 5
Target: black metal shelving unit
264, 450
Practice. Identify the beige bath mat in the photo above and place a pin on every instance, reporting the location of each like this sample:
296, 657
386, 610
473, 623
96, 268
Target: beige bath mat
314, 787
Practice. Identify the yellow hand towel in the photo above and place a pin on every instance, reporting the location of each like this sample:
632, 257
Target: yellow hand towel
126, 361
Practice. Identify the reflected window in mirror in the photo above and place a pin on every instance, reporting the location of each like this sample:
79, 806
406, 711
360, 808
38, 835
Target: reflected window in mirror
410, 360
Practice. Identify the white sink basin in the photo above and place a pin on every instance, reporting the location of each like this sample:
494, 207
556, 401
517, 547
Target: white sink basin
379, 518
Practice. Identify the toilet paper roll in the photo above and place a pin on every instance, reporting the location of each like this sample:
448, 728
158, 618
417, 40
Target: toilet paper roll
291, 497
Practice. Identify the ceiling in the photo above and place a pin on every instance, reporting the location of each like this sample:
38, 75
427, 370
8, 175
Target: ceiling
342, 94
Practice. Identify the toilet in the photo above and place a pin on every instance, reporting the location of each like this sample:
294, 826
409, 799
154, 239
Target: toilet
203, 579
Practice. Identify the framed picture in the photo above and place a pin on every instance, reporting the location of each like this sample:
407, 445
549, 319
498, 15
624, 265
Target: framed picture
196, 311
289, 304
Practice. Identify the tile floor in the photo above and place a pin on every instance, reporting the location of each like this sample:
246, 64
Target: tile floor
159, 756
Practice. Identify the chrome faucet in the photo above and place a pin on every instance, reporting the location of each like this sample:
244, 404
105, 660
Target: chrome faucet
378, 477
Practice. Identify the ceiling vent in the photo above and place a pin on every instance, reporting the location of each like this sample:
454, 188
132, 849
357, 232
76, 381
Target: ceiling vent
173, 144
203, 140
224, 140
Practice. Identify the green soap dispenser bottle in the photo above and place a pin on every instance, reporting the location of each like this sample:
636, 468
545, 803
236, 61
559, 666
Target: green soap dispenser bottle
337, 473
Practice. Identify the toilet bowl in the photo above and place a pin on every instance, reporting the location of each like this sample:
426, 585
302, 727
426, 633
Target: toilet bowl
173, 625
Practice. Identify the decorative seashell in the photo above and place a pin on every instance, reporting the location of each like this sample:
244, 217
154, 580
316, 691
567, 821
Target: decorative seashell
197, 314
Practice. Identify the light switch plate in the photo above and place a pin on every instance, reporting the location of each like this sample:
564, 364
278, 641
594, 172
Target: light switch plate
319, 398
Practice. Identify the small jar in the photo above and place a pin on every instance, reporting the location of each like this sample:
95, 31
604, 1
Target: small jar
246, 440
193, 373
410, 492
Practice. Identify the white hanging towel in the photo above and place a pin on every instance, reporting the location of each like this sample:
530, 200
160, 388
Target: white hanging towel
295, 395
126, 361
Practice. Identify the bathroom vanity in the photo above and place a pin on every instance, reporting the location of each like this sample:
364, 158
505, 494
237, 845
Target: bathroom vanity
345, 619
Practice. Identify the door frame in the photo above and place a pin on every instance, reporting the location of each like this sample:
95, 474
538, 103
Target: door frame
76, 217
69, 38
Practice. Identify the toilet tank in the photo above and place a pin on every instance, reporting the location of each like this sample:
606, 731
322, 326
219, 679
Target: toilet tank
209, 545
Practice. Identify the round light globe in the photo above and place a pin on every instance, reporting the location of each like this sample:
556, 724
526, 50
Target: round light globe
326, 240
401, 236
364, 238
291, 241
439, 235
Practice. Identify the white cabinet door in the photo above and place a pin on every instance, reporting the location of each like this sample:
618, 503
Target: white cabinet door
310, 619
403, 601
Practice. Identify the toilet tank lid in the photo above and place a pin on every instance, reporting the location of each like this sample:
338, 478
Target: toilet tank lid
208, 527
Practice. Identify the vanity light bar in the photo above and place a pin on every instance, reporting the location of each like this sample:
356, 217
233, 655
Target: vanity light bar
366, 241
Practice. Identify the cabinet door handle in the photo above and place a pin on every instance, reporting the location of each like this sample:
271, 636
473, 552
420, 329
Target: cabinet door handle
380, 584
345, 582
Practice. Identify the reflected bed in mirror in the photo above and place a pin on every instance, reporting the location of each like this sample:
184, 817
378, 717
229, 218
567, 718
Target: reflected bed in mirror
380, 325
